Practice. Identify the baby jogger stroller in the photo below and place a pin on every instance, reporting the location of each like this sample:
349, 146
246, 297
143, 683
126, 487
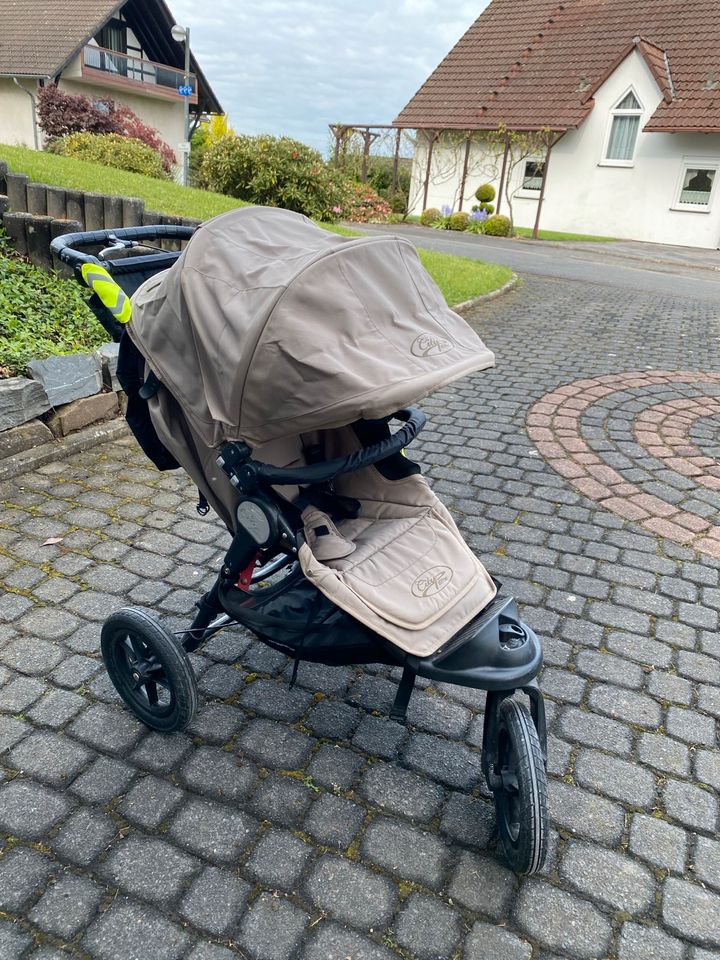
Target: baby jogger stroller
268, 359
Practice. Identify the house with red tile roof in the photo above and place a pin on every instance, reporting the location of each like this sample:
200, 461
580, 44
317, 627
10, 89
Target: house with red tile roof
99, 48
595, 116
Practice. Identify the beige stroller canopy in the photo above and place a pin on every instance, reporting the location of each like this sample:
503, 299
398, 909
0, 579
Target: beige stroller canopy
269, 326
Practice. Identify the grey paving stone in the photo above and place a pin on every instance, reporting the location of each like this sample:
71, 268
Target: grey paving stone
272, 928
607, 876
283, 800
594, 731
664, 754
50, 758
270, 698
351, 893
29, 810
436, 714
400, 791
334, 821
428, 927
67, 906
216, 723
109, 729
560, 921
691, 805
482, 885
56, 709
450, 763
707, 767
103, 780
274, 745
380, 737
219, 774
278, 859
707, 861
625, 705
14, 941
619, 779
335, 767
149, 868
215, 901
563, 685
84, 836
23, 874
330, 941
489, 942
690, 726
11, 732
691, 912
659, 842
20, 693
667, 686
213, 830
337, 721
406, 851
584, 813
161, 753
35, 657
150, 802
468, 820
639, 942
221, 681
126, 929
211, 951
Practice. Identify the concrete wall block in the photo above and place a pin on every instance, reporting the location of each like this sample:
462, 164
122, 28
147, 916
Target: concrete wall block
113, 212
81, 413
16, 227
133, 209
94, 211
57, 229
37, 199
151, 218
68, 378
4, 170
21, 400
108, 357
38, 241
4, 205
17, 191
75, 206
22, 438
56, 203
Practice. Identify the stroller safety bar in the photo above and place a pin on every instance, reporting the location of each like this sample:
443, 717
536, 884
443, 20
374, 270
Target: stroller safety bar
245, 473
67, 247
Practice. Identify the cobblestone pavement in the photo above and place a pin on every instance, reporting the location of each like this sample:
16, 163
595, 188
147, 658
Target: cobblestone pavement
303, 825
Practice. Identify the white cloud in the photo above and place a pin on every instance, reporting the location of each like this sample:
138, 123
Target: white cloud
293, 66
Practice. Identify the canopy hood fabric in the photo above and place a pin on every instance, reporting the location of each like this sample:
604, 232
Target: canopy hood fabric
269, 326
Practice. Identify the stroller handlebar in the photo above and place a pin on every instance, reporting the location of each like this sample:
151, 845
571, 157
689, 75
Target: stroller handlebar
66, 247
244, 472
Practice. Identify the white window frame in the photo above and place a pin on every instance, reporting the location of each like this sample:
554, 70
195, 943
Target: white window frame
696, 163
525, 191
616, 112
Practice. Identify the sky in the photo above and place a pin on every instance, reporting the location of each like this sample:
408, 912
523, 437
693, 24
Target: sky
291, 67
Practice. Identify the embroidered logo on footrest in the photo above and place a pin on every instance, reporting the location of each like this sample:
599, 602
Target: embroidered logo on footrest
432, 581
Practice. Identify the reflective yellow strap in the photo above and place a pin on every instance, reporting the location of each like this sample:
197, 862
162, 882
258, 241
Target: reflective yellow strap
111, 294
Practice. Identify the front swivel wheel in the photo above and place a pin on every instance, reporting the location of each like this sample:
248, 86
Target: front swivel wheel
149, 669
520, 789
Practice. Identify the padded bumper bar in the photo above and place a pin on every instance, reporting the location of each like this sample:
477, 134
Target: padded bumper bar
66, 247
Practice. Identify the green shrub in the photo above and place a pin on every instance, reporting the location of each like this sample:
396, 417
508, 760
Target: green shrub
485, 193
275, 172
113, 150
458, 221
489, 208
40, 315
498, 226
398, 202
429, 216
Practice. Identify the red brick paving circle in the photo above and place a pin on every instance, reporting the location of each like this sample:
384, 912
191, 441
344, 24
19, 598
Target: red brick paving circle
554, 424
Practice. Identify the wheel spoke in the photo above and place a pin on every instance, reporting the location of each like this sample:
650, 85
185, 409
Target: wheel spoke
151, 692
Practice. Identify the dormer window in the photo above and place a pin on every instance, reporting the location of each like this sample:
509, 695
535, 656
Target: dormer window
624, 130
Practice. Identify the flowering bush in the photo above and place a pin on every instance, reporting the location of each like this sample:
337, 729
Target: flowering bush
442, 222
488, 208
364, 205
61, 114
112, 150
276, 172
477, 221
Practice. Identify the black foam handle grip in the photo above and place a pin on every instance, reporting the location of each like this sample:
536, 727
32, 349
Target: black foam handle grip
65, 246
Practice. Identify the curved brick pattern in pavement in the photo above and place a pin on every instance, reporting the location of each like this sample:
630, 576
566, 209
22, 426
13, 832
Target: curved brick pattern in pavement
303, 825
564, 431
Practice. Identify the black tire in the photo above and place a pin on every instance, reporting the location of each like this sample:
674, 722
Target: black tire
149, 670
521, 802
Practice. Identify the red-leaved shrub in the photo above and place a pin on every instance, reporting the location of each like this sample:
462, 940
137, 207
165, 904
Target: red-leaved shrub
61, 113
363, 205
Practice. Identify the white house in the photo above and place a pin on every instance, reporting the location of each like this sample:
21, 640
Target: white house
595, 116
99, 48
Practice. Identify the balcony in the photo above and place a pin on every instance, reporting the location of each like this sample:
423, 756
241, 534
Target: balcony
109, 68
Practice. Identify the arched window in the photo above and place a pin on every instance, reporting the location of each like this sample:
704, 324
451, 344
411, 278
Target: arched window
624, 129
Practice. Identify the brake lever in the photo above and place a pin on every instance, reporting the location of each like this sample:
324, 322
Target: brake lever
117, 244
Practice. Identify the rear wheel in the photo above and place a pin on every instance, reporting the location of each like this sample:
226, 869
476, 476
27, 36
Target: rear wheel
149, 670
521, 794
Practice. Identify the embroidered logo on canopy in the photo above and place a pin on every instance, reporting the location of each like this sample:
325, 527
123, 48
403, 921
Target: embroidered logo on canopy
426, 345
432, 581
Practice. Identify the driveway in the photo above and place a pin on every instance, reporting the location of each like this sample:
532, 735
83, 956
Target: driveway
646, 267
303, 825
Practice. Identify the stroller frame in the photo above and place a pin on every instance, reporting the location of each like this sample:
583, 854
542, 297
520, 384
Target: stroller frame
495, 652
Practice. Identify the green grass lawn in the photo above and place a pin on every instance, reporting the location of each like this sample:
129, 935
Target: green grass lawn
559, 235
459, 278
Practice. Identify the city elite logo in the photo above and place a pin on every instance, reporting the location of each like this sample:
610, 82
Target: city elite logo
432, 581
427, 345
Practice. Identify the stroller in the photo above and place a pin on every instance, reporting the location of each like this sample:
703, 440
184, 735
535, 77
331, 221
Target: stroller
268, 358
